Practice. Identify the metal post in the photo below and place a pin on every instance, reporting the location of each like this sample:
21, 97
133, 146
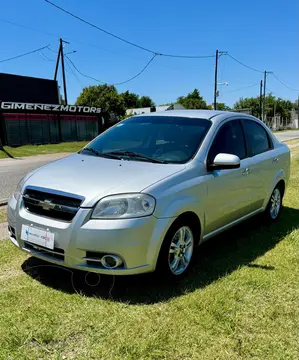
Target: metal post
63, 72
261, 99
216, 79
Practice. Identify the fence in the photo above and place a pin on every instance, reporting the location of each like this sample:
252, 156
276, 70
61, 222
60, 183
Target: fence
22, 129
278, 123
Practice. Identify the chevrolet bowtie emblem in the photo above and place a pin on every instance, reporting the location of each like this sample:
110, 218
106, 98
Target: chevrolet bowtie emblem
47, 205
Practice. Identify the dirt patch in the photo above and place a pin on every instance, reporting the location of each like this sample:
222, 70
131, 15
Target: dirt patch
10, 274
3, 231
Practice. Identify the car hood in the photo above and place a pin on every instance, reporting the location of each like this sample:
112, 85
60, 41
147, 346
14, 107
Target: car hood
94, 177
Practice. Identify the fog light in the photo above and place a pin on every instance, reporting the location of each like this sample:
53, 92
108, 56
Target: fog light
111, 261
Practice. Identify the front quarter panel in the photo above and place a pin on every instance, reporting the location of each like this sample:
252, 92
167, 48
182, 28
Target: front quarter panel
180, 193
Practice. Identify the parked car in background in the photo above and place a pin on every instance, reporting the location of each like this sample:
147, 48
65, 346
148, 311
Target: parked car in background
141, 196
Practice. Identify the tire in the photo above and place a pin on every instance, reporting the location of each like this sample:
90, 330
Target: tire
177, 250
274, 206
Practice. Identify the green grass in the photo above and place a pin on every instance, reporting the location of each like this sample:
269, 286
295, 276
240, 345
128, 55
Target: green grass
29, 150
240, 301
2, 215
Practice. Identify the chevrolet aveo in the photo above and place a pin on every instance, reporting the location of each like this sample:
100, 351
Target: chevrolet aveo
141, 196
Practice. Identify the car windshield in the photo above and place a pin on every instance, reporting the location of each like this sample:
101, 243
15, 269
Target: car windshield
160, 139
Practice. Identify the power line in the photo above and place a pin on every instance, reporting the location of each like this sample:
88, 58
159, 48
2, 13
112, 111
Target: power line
29, 28
58, 36
87, 76
270, 91
124, 40
120, 83
186, 56
98, 28
21, 55
46, 57
140, 72
242, 88
73, 72
241, 63
53, 51
287, 86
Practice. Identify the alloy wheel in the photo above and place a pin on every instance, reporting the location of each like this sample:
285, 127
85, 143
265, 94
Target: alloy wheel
275, 203
181, 250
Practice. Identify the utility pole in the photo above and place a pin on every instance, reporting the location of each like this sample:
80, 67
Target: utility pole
61, 56
264, 100
216, 79
261, 99
63, 71
57, 62
216, 93
264, 96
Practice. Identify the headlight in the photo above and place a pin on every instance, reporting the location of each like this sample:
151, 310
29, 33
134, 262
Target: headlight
19, 188
124, 206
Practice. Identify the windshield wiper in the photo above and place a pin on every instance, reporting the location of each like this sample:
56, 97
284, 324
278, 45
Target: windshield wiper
97, 153
134, 155
91, 150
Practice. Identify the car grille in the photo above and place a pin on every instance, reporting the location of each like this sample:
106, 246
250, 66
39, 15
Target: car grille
51, 205
55, 254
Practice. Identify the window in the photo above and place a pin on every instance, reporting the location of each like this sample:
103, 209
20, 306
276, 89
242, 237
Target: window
256, 137
170, 139
229, 140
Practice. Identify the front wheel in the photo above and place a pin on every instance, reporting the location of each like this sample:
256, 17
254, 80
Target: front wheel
177, 250
275, 203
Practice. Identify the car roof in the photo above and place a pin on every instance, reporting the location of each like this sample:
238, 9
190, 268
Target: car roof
213, 115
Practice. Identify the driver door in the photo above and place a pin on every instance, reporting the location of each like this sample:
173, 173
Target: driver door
229, 191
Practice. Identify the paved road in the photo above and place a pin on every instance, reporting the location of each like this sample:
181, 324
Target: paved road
12, 170
287, 135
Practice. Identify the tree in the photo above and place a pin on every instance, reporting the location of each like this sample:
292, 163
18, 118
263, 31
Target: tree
145, 101
249, 103
105, 97
193, 101
131, 100
223, 107
273, 105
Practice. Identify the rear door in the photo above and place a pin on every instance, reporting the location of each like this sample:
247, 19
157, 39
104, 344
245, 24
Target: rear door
229, 191
265, 163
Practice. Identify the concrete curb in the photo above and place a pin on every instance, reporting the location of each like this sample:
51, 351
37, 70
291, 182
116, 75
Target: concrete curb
295, 138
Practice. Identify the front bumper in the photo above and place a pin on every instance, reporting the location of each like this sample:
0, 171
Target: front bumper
136, 241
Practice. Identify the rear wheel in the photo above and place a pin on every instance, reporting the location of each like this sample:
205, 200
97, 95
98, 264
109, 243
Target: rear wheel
275, 203
177, 250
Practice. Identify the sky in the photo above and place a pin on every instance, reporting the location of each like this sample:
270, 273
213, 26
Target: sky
263, 34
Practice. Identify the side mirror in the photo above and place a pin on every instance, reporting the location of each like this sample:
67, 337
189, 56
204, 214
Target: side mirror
225, 161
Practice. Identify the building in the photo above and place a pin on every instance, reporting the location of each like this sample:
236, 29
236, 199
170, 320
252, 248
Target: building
148, 110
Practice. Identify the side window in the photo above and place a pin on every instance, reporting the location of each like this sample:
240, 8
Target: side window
229, 140
256, 137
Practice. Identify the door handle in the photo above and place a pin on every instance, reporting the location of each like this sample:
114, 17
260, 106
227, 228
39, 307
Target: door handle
275, 160
246, 172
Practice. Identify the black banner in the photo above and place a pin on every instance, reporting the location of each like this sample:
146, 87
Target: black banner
29, 107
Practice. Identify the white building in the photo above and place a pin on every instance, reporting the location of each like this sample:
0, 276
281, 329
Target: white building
157, 109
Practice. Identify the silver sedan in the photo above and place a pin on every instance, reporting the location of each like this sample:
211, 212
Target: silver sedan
141, 196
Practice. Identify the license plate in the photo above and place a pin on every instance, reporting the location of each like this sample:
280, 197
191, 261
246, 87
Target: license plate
37, 236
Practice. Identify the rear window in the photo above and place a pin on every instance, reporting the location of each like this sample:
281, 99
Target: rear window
257, 139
